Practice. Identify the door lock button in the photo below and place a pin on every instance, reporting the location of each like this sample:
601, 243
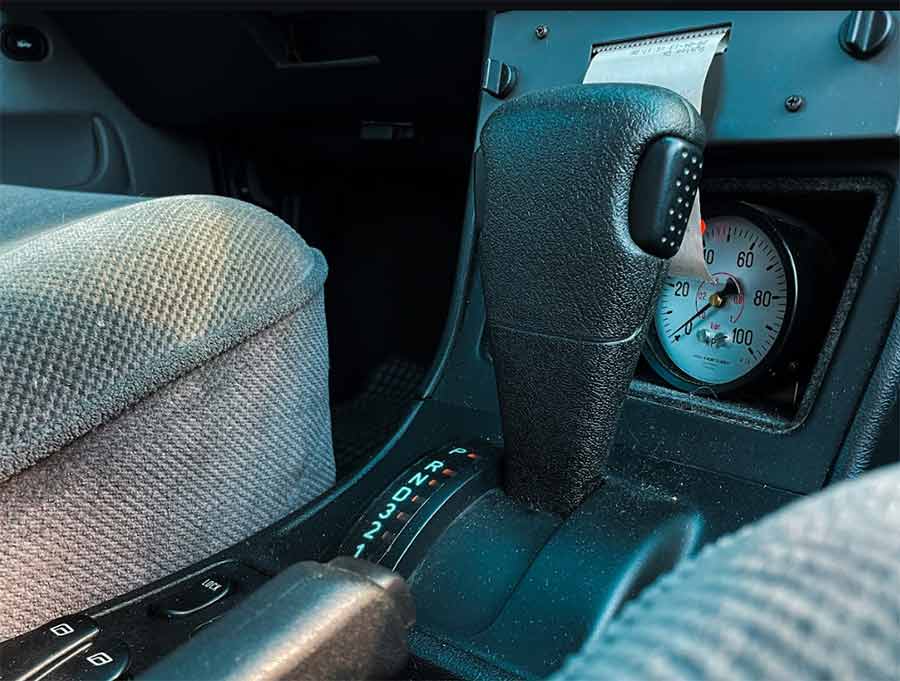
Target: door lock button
199, 594
23, 43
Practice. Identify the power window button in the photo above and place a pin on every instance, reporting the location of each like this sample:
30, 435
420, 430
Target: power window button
105, 660
24, 657
199, 594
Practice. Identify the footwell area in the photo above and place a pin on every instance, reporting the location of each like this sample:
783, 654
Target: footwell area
363, 424
388, 215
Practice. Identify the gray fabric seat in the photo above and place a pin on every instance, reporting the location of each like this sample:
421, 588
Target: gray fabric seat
163, 389
811, 592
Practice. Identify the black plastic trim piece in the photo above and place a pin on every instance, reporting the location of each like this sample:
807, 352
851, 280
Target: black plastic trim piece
877, 413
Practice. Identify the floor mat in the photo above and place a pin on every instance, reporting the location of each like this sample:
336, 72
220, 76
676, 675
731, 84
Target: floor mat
363, 425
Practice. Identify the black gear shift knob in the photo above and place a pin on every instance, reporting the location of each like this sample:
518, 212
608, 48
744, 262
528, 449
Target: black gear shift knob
578, 190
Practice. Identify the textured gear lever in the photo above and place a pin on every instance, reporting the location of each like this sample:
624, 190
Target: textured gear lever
576, 185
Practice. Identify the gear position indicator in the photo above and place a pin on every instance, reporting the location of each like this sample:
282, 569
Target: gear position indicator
408, 511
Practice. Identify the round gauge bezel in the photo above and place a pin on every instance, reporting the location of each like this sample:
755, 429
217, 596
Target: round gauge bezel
663, 365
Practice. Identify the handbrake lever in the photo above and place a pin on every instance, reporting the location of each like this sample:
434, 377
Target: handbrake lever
346, 619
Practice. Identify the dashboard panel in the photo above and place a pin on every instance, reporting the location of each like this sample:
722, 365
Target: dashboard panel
745, 95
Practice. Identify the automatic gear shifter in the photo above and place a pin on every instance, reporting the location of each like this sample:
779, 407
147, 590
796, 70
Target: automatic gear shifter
584, 193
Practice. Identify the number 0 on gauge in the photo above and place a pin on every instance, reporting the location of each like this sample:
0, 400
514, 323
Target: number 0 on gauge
727, 331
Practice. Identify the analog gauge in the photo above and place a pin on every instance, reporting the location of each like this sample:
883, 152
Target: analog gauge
725, 331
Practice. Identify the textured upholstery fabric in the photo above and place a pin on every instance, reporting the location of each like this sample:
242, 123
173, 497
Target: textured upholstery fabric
27, 211
812, 592
163, 392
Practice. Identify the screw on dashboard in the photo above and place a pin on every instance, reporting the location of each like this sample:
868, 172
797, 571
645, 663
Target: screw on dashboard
794, 103
541, 31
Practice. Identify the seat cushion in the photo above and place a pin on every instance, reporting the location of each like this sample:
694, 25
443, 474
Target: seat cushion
810, 592
163, 390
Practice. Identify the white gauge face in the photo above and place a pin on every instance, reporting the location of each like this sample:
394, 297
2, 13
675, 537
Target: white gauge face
716, 332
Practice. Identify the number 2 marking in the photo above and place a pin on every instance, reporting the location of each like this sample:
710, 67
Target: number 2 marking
376, 525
